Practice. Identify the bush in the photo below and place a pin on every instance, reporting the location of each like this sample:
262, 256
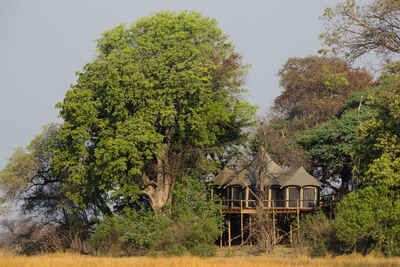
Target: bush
318, 235
190, 224
369, 219
28, 237
128, 234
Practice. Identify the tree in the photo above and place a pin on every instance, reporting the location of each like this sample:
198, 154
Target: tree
377, 151
264, 228
20, 169
28, 179
330, 145
315, 88
369, 219
279, 139
162, 97
356, 30
193, 225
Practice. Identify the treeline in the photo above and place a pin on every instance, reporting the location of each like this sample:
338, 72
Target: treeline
161, 110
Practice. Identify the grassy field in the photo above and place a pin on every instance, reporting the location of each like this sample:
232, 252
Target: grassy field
64, 260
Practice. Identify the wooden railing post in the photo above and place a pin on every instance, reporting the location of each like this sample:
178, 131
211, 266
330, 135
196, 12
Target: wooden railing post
301, 197
315, 196
269, 196
287, 197
247, 196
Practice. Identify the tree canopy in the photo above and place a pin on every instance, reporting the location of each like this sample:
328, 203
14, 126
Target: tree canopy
378, 148
315, 88
162, 96
330, 145
358, 29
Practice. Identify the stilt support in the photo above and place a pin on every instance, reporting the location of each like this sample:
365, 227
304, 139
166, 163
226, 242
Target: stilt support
229, 231
298, 224
241, 228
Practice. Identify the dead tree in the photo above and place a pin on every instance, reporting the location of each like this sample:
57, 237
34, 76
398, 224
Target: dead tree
264, 230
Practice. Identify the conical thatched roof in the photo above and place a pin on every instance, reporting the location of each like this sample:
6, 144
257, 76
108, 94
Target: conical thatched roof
248, 176
224, 177
274, 175
300, 177
273, 168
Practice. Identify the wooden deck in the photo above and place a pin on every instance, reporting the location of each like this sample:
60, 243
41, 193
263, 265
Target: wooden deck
270, 206
233, 206
267, 210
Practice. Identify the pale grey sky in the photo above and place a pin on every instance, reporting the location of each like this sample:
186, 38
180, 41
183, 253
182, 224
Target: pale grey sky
43, 44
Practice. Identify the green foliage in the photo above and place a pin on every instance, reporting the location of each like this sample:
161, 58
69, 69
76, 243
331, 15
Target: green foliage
19, 171
165, 90
378, 148
191, 226
130, 233
369, 219
314, 91
330, 144
28, 166
196, 220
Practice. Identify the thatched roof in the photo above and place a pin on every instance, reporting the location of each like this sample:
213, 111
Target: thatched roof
274, 175
300, 177
248, 176
224, 177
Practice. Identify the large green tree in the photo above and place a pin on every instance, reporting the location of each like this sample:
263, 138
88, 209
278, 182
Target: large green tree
369, 219
330, 145
28, 184
315, 90
162, 98
377, 151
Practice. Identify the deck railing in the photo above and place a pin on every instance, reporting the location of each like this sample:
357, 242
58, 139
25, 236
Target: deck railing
269, 204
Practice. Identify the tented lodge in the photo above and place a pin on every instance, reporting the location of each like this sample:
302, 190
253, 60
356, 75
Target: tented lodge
282, 189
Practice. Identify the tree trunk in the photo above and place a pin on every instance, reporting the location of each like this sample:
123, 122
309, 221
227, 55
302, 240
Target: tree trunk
158, 188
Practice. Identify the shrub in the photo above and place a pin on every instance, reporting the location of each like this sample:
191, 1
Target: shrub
318, 235
190, 224
127, 234
28, 237
369, 219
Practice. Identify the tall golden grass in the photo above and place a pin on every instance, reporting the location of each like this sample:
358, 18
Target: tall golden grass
64, 260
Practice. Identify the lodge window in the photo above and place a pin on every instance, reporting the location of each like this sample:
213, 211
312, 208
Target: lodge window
277, 196
294, 196
309, 197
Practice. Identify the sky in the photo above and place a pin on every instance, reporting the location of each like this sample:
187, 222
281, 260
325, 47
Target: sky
44, 43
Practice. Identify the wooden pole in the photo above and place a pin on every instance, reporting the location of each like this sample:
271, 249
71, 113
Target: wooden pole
273, 224
298, 223
247, 197
315, 196
287, 196
291, 234
241, 227
220, 239
301, 197
229, 231
250, 228
269, 196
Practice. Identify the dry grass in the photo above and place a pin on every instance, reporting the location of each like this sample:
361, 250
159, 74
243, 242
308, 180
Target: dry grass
64, 260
